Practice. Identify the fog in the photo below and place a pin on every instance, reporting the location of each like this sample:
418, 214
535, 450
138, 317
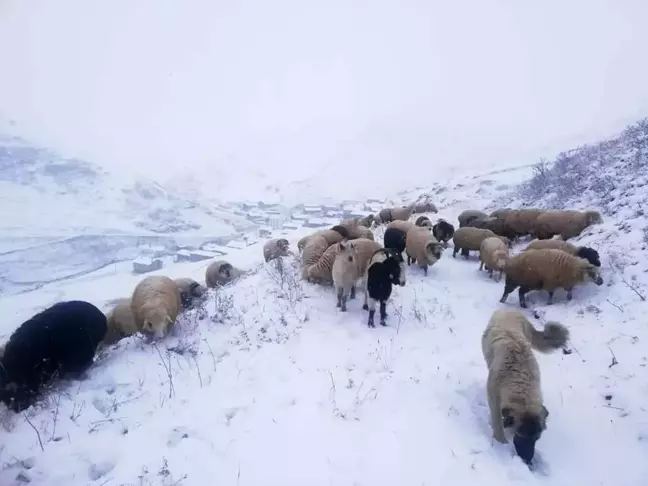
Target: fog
301, 88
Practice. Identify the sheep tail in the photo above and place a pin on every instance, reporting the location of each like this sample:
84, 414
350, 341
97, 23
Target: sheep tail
553, 336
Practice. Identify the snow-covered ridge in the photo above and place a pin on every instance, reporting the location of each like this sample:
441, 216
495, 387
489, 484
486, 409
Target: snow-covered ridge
42, 194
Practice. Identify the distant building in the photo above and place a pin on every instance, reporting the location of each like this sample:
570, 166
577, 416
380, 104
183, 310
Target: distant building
300, 217
183, 256
266, 231
314, 211
275, 222
316, 223
200, 255
144, 264
291, 225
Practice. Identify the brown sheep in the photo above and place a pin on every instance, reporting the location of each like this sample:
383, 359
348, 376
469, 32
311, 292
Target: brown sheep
522, 221
422, 248
321, 271
468, 215
388, 215
425, 207
275, 248
589, 254
547, 270
155, 304
359, 231
500, 213
496, 225
329, 235
220, 273
493, 253
121, 322
467, 239
567, 224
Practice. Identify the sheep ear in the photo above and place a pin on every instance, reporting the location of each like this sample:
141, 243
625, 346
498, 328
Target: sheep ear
545, 412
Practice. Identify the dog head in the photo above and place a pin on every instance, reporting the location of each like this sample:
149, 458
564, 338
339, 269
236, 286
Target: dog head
527, 426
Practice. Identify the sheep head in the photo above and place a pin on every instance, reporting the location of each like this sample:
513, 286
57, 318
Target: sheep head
593, 217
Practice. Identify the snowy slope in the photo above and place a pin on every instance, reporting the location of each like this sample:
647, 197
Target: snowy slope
42, 194
270, 384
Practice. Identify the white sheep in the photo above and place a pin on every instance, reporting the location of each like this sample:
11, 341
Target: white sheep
345, 273
493, 253
156, 304
422, 248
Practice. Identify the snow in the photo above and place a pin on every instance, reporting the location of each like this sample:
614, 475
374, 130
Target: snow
270, 384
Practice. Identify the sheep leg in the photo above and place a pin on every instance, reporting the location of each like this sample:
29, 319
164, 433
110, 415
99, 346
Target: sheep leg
465, 253
481, 266
455, 251
340, 291
343, 301
550, 299
372, 312
352, 295
508, 288
522, 292
383, 312
569, 294
500, 275
365, 306
425, 270
490, 273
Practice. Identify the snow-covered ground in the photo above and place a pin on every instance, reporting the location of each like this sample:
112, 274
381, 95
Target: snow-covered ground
272, 385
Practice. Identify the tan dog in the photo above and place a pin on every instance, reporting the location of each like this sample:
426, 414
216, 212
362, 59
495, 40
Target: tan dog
513, 387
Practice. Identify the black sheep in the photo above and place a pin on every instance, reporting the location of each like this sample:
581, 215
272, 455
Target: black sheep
62, 339
395, 239
382, 274
443, 231
589, 254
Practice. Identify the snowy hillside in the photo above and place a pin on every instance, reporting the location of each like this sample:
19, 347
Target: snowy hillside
42, 194
270, 384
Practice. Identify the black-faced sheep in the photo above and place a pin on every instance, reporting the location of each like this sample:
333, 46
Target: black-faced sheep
345, 273
156, 304
385, 269
61, 340
191, 292
321, 271
422, 248
120, 321
220, 273
469, 239
493, 253
547, 270
522, 221
468, 215
395, 239
275, 248
585, 252
443, 231
567, 224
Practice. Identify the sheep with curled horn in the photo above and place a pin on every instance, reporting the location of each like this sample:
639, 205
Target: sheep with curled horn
443, 231
567, 224
275, 248
221, 273
547, 270
585, 252
422, 248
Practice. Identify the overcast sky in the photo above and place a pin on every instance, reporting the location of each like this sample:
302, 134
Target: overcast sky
292, 85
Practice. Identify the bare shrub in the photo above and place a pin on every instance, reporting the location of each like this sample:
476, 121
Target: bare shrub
284, 271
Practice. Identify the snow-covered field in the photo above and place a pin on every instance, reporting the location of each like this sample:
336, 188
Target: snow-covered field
272, 385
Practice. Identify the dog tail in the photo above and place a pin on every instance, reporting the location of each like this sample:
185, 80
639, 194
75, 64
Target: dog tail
552, 337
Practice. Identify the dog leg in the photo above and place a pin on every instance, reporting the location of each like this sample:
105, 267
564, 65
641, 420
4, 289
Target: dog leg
383, 313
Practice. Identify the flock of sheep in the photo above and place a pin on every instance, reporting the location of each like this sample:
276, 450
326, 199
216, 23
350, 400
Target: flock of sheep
63, 339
